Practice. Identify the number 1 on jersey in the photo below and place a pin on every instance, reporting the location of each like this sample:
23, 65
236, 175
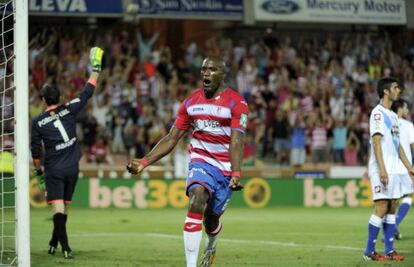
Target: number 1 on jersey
58, 124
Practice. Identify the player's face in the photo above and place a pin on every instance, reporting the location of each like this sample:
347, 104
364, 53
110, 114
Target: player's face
405, 110
395, 91
212, 74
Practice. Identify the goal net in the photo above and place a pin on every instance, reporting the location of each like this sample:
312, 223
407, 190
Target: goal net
7, 202
14, 156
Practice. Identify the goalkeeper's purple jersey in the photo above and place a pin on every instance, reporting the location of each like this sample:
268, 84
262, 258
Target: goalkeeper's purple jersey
56, 128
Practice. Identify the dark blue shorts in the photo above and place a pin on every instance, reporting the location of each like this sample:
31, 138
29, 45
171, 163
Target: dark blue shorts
60, 184
214, 181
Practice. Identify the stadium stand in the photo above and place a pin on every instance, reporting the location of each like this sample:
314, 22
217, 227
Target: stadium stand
322, 85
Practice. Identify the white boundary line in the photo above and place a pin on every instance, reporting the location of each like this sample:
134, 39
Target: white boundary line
236, 241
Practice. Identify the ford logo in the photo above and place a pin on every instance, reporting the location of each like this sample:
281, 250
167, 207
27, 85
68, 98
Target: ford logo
280, 6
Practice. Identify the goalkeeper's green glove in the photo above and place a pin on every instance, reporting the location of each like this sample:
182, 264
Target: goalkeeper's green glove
40, 177
95, 57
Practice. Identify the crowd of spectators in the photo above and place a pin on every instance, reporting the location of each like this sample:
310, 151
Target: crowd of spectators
309, 98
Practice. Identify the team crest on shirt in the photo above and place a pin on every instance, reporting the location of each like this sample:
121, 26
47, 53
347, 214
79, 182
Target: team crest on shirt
243, 120
377, 116
395, 131
377, 189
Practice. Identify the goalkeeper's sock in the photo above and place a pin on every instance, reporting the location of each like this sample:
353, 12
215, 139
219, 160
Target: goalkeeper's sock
54, 240
59, 223
212, 237
192, 237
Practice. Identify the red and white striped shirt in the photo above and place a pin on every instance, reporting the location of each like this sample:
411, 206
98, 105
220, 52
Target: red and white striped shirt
212, 121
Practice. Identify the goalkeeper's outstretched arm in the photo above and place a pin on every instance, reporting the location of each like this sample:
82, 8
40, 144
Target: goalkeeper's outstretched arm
95, 61
162, 148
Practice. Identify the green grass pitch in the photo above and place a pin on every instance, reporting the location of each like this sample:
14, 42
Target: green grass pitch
251, 237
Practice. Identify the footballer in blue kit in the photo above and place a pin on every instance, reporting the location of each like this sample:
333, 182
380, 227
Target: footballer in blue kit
384, 171
400, 107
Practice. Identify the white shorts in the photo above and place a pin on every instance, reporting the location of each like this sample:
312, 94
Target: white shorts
391, 191
407, 185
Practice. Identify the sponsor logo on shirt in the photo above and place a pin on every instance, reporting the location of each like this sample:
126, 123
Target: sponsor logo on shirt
203, 124
395, 131
198, 109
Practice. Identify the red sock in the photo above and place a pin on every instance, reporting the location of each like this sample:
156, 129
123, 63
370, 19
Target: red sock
193, 222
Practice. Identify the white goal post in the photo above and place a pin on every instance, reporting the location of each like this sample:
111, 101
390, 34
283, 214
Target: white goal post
21, 111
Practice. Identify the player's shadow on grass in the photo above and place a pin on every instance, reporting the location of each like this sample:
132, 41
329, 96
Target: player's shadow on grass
403, 239
42, 259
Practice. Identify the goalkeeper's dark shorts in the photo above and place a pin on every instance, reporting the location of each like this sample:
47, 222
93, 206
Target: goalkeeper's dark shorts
60, 184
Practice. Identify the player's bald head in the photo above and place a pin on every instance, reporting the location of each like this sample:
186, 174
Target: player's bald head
218, 62
212, 73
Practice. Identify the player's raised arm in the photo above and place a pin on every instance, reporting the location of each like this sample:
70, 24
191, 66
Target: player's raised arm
95, 60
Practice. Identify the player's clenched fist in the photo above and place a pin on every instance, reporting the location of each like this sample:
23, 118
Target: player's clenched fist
235, 184
95, 58
136, 166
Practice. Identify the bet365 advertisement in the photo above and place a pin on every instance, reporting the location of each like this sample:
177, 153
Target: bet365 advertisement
258, 193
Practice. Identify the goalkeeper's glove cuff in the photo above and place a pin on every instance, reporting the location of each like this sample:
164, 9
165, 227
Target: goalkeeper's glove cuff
97, 68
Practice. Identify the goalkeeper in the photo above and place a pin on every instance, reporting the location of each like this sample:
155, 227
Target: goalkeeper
56, 129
